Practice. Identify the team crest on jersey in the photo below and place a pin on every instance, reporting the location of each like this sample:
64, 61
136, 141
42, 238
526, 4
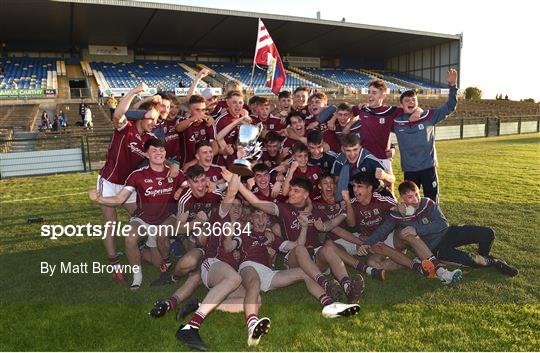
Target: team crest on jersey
421, 126
271, 126
425, 220
375, 211
363, 169
315, 176
203, 132
381, 121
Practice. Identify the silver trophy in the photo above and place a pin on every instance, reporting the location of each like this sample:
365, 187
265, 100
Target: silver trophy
247, 139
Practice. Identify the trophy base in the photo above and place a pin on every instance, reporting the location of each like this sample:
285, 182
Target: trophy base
241, 167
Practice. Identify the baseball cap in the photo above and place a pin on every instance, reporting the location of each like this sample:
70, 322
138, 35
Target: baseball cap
135, 114
207, 93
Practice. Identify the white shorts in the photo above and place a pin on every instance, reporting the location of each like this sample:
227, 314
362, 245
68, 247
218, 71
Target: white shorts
266, 274
108, 189
387, 165
151, 240
349, 247
205, 269
390, 240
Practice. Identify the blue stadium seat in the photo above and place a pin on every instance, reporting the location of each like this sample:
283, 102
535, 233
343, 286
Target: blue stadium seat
410, 79
242, 73
26, 72
163, 75
348, 77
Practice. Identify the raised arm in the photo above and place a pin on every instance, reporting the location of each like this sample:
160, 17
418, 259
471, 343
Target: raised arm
119, 117
450, 106
232, 190
202, 74
288, 178
154, 99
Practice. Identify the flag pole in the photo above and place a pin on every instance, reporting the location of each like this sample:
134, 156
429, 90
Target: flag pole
254, 56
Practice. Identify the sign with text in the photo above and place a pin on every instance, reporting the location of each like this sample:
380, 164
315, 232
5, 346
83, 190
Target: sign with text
34, 92
117, 92
107, 50
216, 91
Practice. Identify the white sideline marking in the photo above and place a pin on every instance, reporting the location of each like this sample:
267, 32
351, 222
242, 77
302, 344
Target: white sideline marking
42, 198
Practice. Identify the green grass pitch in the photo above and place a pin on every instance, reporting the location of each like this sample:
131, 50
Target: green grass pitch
493, 182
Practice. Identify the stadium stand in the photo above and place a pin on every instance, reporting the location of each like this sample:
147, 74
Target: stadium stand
163, 75
242, 73
28, 73
412, 81
18, 116
348, 77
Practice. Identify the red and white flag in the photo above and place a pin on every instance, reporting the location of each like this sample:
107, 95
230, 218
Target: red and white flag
266, 54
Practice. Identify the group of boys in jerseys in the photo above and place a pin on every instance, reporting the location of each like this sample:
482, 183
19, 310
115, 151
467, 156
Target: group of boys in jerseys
321, 196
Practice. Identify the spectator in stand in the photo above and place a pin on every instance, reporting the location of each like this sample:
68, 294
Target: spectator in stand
181, 84
82, 108
62, 119
112, 103
88, 123
100, 96
44, 121
56, 124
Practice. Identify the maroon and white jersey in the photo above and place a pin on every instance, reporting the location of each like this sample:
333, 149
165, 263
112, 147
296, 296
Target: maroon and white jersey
172, 139
288, 214
262, 196
303, 110
124, 154
370, 216
331, 138
327, 211
271, 123
155, 193
313, 174
215, 242
270, 161
219, 124
289, 142
213, 174
189, 203
254, 247
322, 126
190, 137
376, 127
